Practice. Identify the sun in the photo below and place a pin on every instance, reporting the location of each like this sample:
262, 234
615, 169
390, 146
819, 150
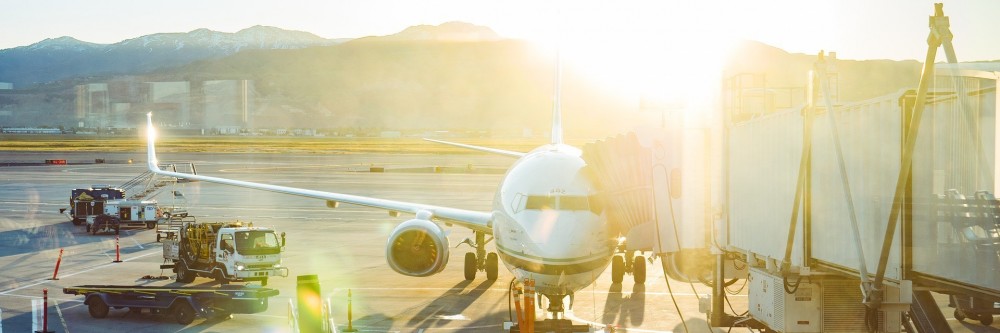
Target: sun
637, 52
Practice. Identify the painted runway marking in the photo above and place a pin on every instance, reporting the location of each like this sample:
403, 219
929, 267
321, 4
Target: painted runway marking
61, 319
44, 280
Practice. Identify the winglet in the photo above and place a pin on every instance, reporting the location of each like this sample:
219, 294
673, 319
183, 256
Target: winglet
150, 149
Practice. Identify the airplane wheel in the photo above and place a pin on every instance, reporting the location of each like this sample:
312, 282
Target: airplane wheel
470, 266
617, 269
183, 313
491, 266
97, 308
639, 269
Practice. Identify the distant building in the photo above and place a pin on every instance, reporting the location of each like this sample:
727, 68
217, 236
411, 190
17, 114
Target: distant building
170, 101
30, 130
6, 86
228, 103
93, 107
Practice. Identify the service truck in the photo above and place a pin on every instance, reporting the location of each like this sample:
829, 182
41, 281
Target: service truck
224, 251
124, 213
84, 202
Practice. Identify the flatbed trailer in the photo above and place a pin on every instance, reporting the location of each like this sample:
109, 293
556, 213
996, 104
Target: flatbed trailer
183, 303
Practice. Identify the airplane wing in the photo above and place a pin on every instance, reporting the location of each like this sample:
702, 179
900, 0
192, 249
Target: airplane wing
478, 221
485, 149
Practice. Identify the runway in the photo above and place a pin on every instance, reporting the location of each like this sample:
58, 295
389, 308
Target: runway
345, 247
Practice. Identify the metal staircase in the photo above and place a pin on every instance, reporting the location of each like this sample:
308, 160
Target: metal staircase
148, 184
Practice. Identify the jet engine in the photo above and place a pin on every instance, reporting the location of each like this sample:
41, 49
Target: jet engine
417, 247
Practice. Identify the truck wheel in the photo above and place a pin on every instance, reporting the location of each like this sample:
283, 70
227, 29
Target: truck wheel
986, 319
77, 221
183, 313
220, 276
88, 228
93, 229
157, 237
263, 282
98, 309
118, 230
183, 275
150, 225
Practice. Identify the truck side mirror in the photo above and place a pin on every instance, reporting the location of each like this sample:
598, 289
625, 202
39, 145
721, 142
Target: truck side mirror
282, 239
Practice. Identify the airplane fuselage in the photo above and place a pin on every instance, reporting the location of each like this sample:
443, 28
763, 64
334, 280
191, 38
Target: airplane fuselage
546, 224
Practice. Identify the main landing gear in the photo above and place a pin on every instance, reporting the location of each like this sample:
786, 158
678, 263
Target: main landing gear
480, 261
628, 262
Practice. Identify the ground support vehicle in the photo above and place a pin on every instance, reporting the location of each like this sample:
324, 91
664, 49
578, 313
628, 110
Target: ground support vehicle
224, 251
103, 223
84, 202
184, 304
170, 225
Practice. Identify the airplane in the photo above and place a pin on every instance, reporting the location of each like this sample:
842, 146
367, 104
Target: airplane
545, 222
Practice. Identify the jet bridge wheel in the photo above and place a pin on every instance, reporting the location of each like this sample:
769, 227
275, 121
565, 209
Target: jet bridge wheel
492, 262
617, 269
470, 266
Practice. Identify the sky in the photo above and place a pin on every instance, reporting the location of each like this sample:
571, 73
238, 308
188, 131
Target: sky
856, 29
608, 38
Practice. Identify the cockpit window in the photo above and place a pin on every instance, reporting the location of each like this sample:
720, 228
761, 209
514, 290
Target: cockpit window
563, 202
540, 202
574, 203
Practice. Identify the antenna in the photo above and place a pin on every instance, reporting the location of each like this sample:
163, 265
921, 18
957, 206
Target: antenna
557, 132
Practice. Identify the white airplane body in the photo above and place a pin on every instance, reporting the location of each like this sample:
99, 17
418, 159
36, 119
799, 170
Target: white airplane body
544, 223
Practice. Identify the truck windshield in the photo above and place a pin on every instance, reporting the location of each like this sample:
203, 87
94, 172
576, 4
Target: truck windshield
257, 242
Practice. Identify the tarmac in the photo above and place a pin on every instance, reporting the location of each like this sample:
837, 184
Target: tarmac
344, 246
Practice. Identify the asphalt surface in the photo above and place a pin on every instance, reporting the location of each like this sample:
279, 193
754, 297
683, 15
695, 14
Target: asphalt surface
344, 246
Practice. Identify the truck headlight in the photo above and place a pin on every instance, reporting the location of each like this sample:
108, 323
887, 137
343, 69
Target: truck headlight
277, 265
240, 267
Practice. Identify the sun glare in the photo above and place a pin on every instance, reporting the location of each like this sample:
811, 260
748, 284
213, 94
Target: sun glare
640, 53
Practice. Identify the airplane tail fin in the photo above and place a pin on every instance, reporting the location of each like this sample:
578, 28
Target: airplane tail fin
557, 131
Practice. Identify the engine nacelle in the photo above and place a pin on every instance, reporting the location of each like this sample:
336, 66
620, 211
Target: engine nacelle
417, 248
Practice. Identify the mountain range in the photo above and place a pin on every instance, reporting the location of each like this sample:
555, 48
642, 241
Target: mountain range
451, 76
65, 57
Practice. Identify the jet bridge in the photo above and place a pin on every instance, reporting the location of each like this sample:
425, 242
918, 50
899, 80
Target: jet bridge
846, 215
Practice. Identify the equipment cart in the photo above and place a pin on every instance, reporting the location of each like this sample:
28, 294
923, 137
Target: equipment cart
183, 303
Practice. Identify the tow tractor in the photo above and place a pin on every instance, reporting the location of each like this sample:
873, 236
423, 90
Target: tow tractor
183, 303
225, 251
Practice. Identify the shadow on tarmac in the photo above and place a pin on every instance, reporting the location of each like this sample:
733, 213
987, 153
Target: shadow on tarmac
625, 310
